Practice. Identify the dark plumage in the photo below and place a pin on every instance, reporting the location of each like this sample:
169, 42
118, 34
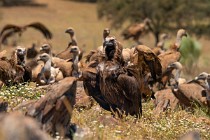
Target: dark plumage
11, 29
55, 108
32, 52
108, 83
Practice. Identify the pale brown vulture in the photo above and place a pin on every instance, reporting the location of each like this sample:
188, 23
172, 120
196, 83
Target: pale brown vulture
173, 54
160, 45
10, 29
65, 54
136, 30
193, 92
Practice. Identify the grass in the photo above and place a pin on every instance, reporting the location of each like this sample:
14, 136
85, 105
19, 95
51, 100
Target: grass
168, 125
17, 94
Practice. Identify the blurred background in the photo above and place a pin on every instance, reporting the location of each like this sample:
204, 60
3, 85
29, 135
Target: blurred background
90, 17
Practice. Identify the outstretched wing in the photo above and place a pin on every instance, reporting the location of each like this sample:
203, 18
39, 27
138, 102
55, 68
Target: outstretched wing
43, 29
147, 62
7, 35
10, 27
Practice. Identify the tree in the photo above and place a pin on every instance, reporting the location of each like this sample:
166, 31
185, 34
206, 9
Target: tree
165, 15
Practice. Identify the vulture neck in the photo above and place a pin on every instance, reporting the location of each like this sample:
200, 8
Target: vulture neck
47, 66
178, 42
75, 62
177, 74
73, 40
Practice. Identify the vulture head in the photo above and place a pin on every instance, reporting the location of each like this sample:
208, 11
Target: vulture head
175, 65
75, 50
202, 76
45, 48
109, 46
44, 57
20, 51
147, 21
106, 33
70, 31
181, 33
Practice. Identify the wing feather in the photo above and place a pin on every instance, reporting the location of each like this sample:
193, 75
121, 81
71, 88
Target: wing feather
42, 28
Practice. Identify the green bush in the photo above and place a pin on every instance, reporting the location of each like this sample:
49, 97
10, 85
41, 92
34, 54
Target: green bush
190, 51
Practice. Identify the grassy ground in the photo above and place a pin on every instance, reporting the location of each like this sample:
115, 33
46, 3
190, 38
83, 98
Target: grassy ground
98, 124
60, 14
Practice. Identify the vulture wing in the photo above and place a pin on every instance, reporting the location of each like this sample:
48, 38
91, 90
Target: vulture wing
8, 34
10, 27
169, 57
147, 62
43, 29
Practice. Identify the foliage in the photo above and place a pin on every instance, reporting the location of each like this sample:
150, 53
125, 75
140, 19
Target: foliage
191, 51
165, 15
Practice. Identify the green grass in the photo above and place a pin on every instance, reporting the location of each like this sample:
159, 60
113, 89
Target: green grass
17, 94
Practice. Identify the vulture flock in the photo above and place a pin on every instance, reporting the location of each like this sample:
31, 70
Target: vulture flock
117, 78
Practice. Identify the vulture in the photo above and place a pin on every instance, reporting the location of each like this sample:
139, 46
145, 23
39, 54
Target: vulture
173, 54
173, 71
11, 29
65, 54
46, 48
165, 99
160, 45
10, 71
17, 126
70, 67
117, 88
21, 56
93, 55
32, 52
48, 74
194, 91
54, 110
136, 30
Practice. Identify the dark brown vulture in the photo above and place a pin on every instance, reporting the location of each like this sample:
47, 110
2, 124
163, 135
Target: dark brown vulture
173, 54
11, 29
119, 88
10, 71
32, 52
21, 54
54, 110
136, 30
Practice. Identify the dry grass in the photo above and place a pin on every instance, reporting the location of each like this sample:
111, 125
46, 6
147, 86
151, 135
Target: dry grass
169, 125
